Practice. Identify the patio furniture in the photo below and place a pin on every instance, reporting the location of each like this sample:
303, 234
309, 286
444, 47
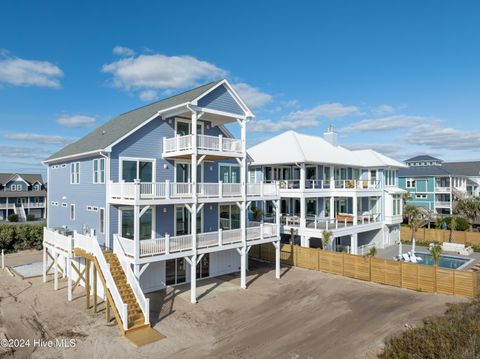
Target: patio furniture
406, 257
341, 217
457, 248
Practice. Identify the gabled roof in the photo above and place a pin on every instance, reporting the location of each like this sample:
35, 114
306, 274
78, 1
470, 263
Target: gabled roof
292, 147
467, 168
423, 158
115, 129
28, 177
423, 171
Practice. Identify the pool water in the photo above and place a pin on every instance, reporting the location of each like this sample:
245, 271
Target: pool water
445, 261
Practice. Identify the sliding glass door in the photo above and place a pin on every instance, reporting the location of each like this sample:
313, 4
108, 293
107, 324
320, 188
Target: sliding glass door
229, 216
183, 222
184, 172
229, 173
137, 169
146, 224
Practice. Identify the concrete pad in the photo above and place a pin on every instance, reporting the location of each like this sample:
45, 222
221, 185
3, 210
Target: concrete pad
206, 289
30, 270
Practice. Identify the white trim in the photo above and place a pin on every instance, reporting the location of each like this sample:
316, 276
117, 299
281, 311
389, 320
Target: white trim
75, 173
15, 177
137, 159
189, 222
98, 171
228, 164
74, 156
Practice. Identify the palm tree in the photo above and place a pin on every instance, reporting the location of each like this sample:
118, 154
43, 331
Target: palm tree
372, 252
326, 235
414, 218
435, 252
453, 225
257, 214
470, 208
407, 196
293, 232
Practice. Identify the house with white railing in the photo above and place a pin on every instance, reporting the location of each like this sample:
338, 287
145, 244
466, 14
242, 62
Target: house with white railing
161, 191
323, 186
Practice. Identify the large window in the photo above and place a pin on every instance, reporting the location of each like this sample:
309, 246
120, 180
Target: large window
184, 128
410, 183
390, 177
229, 216
230, 173
146, 223
184, 172
311, 207
396, 205
183, 223
137, 169
99, 170
75, 173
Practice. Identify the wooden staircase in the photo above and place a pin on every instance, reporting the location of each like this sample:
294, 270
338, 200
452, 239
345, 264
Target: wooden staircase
136, 320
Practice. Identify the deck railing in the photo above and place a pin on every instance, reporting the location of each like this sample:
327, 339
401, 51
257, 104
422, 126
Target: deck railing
313, 184
341, 221
204, 142
171, 244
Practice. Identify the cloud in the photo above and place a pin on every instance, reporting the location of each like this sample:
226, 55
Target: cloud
398, 152
38, 138
161, 72
76, 121
435, 136
384, 124
328, 110
148, 95
253, 97
383, 109
21, 72
123, 51
281, 125
23, 152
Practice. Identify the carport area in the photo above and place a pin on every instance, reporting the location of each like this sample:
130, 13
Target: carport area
304, 314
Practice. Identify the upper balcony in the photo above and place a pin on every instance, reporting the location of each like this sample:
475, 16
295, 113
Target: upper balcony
213, 147
175, 192
315, 187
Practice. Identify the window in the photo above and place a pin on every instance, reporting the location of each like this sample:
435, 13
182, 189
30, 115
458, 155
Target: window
421, 196
396, 205
36, 187
390, 177
146, 223
410, 183
64, 205
99, 170
252, 178
72, 212
137, 169
229, 173
229, 216
75, 173
102, 220
13, 187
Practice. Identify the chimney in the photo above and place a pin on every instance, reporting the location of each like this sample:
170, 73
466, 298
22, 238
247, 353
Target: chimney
330, 135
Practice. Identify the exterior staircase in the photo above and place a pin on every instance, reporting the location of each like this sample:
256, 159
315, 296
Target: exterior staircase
459, 194
136, 319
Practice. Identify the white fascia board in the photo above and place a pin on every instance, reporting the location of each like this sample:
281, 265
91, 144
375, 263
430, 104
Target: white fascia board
71, 157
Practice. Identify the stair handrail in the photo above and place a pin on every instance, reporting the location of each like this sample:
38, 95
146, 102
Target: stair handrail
91, 245
142, 301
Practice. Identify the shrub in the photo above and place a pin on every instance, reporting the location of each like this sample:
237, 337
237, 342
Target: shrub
13, 217
452, 335
30, 217
21, 236
461, 223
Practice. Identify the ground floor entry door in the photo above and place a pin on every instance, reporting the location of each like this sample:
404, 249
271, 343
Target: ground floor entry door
175, 271
203, 267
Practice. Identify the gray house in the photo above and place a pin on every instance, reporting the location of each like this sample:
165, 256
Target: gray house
22, 194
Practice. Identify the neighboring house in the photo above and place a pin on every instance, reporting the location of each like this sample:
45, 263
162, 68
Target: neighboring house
324, 186
167, 182
22, 194
435, 184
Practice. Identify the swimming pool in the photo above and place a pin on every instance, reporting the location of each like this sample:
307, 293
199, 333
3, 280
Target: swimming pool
445, 260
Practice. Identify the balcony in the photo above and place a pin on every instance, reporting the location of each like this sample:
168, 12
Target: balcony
330, 185
440, 189
211, 146
209, 240
172, 192
442, 204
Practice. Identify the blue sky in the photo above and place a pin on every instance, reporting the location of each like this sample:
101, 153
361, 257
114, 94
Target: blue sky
402, 77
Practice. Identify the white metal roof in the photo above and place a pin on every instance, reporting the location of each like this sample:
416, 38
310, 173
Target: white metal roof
292, 147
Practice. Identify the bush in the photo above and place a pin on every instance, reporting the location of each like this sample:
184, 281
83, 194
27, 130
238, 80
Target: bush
30, 217
461, 223
452, 335
13, 217
15, 237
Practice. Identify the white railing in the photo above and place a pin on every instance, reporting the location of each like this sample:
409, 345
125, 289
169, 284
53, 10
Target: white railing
322, 223
204, 142
168, 244
142, 301
442, 189
312, 184
364, 249
90, 245
442, 204
58, 240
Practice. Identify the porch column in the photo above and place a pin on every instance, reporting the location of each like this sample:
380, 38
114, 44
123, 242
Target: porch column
355, 209
243, 207
332, 208
277, 259
354, 243
136, 231
332, 177
193, 214
303, 212
45, 264
69, 277
277, 217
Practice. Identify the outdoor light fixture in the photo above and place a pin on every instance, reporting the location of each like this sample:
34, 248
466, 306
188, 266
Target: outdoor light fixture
164, 209
165, 166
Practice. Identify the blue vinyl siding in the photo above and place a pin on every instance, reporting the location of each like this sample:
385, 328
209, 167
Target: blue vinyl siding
82, 195
22, 184
221, 100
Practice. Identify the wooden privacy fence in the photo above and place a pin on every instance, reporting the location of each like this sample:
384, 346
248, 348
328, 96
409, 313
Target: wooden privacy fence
384, 271
439, 235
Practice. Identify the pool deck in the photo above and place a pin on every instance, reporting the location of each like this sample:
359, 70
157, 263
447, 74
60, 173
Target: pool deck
392, 251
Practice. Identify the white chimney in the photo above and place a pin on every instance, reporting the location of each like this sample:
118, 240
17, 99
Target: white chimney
330, 135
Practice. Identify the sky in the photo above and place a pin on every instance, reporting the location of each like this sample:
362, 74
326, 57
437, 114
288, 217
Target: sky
400, 77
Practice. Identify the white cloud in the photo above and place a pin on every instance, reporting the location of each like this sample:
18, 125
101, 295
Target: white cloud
123, 51
384, 124
148, 95
38, 138
273, 126
23, 152
383, 109
328, 110
76, 121
156, 71
21, 72
253, 97
291, 103
435, 136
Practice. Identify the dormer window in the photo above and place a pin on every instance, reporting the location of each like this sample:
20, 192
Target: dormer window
36, 187
13, 187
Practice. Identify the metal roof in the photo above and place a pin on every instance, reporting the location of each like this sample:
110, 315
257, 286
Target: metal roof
116, 128
467, 168
423, 158
423, 171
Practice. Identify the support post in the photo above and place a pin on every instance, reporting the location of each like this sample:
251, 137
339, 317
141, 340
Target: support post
94, 289
277, 259
87, 282
303, 212
243, 268
55, 270
243, 209
355, 209
332, 208
193, 213
136, 231
69, 278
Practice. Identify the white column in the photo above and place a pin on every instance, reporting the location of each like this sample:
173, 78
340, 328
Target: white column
277, 260
69, 278
303, 212
332, 208
354, 243
332, 177
193, 214
243, 209
355, 209
45, 264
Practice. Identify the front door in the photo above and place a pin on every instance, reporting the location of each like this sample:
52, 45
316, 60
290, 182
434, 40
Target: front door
203, 267
183, 223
